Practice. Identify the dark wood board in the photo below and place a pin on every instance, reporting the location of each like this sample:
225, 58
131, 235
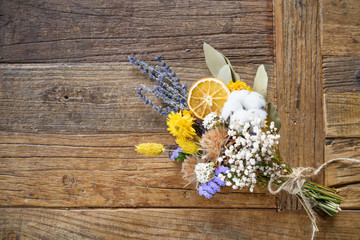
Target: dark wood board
88, 97
172, 224
109, 31
69, 115
340, 28
101, 170
299, 85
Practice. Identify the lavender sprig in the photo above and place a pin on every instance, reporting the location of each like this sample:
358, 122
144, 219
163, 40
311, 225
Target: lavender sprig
160, 110
168, 87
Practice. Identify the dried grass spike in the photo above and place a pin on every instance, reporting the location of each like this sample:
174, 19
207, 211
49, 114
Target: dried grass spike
212, 143
188, 168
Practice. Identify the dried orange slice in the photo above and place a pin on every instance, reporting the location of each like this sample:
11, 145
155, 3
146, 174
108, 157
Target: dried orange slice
207, 95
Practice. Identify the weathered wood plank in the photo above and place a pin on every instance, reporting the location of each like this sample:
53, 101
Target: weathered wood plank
90, 169
109, 31
94, 170
340, 25
341, 69
351, 193
341, 74
344, 175
87, 97
20, 223
342, 118
298, 83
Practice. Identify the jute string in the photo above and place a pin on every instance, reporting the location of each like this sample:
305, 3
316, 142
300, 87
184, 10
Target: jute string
296, 180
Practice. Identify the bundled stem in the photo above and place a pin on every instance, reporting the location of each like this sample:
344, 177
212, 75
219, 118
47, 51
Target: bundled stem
325, 199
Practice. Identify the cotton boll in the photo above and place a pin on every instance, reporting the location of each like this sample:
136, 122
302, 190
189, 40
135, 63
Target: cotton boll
239, 116
254, 100
234, 103
257, 113
238, 96
227, 111
229, 108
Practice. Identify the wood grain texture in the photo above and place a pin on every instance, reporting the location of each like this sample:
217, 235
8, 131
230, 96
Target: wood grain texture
100, 170
344, 175
67, 128
298, 83
351, 193
342, 118
171, 224
88, 97
341, 74
109, 31
341, 32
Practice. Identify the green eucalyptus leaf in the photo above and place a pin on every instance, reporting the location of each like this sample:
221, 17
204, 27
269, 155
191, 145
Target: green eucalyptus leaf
214, 59
234, 75
224, 74
273, 116
261, 81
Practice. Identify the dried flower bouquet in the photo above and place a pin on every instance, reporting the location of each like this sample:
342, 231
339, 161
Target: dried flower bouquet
227, 134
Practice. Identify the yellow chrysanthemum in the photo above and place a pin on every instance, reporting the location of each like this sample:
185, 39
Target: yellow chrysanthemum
238, 85
180, 125
186, 113
187, 146
153, 149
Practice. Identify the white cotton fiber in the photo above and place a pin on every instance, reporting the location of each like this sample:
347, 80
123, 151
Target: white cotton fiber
254, 100
238, 96
230, 107
257, 113
244, 106
239, 116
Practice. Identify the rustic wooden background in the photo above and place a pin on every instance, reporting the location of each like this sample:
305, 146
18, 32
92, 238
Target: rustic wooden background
69, 115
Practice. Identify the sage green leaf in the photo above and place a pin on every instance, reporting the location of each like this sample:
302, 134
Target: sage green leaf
224, 74
214, 59
261, 81
234, 75
273, 116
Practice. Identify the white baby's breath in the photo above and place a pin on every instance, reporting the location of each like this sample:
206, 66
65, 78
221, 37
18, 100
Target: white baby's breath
204, 172
211, 120
252, 149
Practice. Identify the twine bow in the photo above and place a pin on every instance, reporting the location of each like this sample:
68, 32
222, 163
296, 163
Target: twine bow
296, 180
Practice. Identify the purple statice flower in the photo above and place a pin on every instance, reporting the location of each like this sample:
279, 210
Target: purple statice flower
175, 154
210, 188
167, 88
221, 169
203, 192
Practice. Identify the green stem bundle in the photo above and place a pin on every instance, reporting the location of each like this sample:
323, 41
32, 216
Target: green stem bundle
324, 198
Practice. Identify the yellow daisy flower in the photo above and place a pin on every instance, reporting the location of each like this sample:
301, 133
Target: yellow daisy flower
186, 113
187, 146
180, 125
153, 149
238, 85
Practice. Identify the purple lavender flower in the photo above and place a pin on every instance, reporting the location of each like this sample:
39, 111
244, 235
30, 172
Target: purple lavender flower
210, 188
168, 88
176, 153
